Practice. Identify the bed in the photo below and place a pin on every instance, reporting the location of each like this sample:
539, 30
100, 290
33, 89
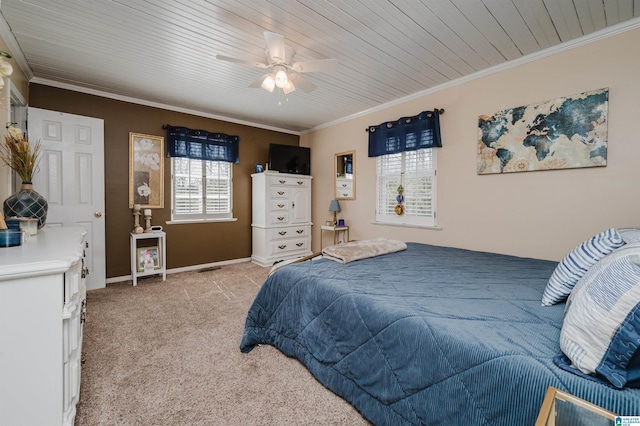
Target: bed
426, 335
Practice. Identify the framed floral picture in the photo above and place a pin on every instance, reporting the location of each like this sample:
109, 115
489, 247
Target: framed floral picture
146, 171
148, 259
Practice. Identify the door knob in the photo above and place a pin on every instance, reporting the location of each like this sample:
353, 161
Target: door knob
97, 214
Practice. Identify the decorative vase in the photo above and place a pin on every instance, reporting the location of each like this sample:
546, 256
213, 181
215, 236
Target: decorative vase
27, 203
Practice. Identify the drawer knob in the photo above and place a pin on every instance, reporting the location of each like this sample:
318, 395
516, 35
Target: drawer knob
280, 217
282, 247
280, 205
344, 185
280, 192
300, 231
300, 182
282, 181
299, 244
282, 232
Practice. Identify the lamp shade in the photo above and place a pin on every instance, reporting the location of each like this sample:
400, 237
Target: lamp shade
281, 78
269, 84
334, 206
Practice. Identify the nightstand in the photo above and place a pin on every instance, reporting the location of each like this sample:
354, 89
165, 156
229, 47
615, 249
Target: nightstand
336, 233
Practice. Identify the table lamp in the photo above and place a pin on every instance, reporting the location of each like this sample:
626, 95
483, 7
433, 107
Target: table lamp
334, 207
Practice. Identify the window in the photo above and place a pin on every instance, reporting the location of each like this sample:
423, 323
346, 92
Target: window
201, 189
416, 170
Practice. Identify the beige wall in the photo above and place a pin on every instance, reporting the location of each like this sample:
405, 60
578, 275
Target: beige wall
536, 214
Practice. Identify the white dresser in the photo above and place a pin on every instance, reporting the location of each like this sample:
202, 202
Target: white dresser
42, 308
281, 217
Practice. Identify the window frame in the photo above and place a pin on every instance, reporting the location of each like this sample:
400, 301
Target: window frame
200, 216
406, 219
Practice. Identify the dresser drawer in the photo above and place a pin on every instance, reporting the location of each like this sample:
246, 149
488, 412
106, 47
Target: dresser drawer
279, 193
286, 233
279, 218
71, 329
72, 281
294, 244
279, 205
280, 181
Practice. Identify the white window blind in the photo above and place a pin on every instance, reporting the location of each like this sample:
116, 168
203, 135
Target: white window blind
201, 189
417, 173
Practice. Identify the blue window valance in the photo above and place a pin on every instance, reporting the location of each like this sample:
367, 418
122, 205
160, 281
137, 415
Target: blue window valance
200, 144
406, 134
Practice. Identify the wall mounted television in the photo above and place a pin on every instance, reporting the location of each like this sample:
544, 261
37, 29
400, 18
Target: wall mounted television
290, 159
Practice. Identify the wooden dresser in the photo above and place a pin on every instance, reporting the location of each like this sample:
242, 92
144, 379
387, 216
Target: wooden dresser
42, 309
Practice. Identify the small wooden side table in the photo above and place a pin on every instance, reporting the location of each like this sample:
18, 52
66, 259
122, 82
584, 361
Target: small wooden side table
336, 233
158, 255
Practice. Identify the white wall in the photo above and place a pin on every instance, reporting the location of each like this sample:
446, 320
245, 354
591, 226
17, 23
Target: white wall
539, 214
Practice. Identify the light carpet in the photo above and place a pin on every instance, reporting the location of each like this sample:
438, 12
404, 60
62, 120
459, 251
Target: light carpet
167, 353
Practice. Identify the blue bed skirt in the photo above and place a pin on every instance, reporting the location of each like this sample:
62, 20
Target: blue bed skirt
430, 335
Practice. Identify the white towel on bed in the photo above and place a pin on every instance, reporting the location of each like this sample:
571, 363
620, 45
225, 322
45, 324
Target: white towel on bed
356, 250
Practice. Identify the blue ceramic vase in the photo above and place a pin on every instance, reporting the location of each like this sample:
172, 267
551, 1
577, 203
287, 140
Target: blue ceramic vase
27, 203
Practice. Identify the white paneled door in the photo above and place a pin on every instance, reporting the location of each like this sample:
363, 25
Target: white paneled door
71, 178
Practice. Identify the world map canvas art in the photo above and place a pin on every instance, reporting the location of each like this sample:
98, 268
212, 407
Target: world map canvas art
568, 132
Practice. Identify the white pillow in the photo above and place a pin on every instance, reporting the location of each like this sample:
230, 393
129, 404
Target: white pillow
601, 328
577, 263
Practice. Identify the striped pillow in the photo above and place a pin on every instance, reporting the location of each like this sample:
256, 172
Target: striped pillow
629, 235
601, 328
577, 263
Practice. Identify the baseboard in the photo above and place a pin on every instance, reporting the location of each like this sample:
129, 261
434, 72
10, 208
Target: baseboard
183, 269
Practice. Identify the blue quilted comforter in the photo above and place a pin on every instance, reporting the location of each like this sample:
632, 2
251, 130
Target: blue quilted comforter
430, 335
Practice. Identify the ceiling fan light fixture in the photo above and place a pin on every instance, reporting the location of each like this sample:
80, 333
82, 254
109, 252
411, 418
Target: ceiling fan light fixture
269, 83
281, 79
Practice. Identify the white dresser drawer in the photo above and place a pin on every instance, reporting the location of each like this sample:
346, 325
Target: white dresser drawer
288, 232
71, 393
72, 281
279, 205
279, 181
279, 193
284, 246
279, 218
71, 329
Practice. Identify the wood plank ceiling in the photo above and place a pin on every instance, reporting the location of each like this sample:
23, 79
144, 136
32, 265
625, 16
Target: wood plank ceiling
163, 51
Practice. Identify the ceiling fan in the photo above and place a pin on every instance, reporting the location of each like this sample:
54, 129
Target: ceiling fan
282, 72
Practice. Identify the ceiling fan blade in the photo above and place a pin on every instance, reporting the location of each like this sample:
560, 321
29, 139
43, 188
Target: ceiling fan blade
302, 83
241, 61
275, 47
321, 65
288, 54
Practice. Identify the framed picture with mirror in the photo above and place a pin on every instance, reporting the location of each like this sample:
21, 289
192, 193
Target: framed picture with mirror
345, 175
